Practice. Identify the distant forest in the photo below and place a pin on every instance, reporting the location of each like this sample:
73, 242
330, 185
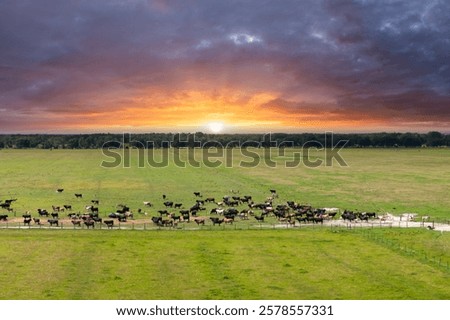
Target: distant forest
199, 139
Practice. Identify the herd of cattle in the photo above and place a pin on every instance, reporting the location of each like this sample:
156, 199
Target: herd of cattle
226, 210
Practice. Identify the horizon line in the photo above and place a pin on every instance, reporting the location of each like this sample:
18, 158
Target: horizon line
217, 134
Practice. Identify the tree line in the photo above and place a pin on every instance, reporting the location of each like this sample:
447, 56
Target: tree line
199, 139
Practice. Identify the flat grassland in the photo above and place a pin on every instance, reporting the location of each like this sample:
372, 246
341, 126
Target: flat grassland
296, 263
374, 180
252, 264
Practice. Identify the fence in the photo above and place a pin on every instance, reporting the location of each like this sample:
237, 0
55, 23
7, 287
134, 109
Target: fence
408, 250
239, 225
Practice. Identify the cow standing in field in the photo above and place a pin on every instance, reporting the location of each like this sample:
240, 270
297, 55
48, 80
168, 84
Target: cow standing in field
43, 213
168, 204
260, 218
76, 222
216, 220
348, 215
200, 220
53, 222
109, 223
90, 224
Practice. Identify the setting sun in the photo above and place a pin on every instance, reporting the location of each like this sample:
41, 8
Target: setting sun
215, 126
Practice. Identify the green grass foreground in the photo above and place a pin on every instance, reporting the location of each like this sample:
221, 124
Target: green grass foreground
266, 264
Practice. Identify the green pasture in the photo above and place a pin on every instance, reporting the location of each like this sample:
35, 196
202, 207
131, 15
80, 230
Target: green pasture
255, 264
380, 180
218, 263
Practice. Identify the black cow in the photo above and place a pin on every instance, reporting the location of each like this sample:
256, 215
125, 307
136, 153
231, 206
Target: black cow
260, 219
55, 215
318, 219
348, 215
109, 223
90, 223
53, 222
301, 219
123, 210
168, 204
178, 205
5, 205
26, 216
363, 217
371, 214
95, 201
231, 211
3, 217
78, 195
195, 208
43, 212
67, 207
97, 219
166, 223
59, 190
94, 209
27, 221
216, 220
162, 212
37, 221
122, 218
156, 220
198, 194
210, 199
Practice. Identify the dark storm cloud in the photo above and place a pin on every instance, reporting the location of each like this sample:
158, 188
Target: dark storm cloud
388, 60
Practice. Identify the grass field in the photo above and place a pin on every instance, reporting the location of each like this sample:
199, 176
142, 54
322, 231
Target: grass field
301, 263
381, 180
267, 264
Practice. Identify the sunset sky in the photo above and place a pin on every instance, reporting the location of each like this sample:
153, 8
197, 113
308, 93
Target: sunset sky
224, 66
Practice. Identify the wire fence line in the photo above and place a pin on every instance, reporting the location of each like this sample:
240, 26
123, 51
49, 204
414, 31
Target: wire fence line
364, 229
422, 255
245, 225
